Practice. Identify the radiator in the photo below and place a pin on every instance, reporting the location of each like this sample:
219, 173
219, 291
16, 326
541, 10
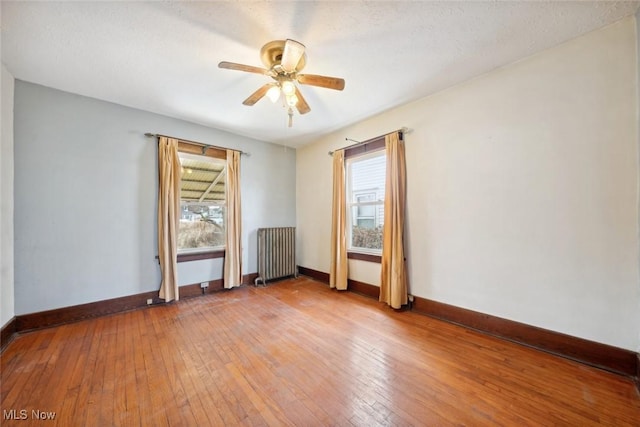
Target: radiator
276, 253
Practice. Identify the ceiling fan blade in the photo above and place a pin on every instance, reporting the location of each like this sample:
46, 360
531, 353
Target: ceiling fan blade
242, 67
302, 106
257, 95
321, 81
291, 55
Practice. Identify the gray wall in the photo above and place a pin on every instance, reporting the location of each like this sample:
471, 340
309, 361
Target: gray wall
6, 196
638, 128
86, 191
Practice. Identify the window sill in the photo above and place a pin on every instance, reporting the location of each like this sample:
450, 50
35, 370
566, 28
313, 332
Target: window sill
196, 256
365, 257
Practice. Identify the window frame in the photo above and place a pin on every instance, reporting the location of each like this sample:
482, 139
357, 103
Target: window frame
204, 154
354, 252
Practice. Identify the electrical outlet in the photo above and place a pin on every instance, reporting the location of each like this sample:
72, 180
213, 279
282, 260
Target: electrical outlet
149, 301
410, 298
204, 285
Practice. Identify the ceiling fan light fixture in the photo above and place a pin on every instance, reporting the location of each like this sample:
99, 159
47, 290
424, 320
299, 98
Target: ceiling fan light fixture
292, 100
288, 88
291, 55
273, 94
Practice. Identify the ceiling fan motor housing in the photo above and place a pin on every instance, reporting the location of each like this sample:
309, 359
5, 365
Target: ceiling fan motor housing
271, 55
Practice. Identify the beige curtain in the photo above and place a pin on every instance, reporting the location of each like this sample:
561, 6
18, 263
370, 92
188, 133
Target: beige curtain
168, 216
338, 273
393, 280
233, 250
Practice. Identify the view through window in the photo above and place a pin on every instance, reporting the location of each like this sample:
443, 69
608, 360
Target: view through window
365, 197
202, 203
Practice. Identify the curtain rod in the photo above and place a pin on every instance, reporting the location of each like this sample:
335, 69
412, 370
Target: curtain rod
403, 130
202, 144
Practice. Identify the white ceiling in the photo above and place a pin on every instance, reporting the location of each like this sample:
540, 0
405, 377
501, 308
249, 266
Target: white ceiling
162, 56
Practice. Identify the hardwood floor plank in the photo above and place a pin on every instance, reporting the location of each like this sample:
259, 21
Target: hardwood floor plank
27, 356
297, 353
107, 393
149, 375
96, 379
139, 345
77, 391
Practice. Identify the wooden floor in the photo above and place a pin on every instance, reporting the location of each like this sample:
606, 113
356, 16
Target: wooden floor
296, 353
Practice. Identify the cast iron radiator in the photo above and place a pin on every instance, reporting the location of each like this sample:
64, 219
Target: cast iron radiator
276, 253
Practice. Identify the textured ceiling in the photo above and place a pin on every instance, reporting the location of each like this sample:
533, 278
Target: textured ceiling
162, 56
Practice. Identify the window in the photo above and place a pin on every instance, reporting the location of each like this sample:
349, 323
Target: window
365, 213
365, 200
202, 203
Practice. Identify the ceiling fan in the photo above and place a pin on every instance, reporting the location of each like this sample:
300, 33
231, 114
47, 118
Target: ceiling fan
283, 60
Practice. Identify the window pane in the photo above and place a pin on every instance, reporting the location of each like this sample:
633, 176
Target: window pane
365, 222
368, 211
366, 182
366, 197
366, 175
365, 234
202, 194
201, 226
